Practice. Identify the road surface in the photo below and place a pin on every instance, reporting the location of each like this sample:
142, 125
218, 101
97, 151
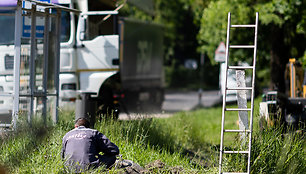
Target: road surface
186, 101
180, 101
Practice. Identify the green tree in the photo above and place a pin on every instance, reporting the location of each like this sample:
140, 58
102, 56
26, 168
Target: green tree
284, 21
281, 32
181, 21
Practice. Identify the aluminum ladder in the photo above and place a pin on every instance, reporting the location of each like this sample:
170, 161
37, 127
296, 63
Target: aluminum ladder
251, 89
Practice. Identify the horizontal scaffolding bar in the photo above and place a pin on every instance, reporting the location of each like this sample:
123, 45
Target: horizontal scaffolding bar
36, 95
37, 13
7, 94
5, 125
50, 5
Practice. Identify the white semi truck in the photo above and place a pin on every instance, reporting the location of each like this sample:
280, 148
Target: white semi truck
119, 59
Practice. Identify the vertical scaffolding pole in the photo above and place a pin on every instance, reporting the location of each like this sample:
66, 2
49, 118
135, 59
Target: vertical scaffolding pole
17, 48
57, 63
32, 61
45, 71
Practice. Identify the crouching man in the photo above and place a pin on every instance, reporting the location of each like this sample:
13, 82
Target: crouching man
82, 145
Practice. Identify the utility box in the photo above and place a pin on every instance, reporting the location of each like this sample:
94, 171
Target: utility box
86, 107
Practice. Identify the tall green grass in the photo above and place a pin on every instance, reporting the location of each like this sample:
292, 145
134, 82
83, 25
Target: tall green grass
273, 151
188, 141
36, 149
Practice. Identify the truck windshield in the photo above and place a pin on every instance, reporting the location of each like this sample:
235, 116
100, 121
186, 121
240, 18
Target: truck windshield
97, 26
65, 26
7, 27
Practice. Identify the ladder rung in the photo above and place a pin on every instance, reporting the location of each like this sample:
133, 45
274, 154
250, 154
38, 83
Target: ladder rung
240, 67
239, 88
242, 26
228, 130
242, 46
237, 109
233, 173
231, 152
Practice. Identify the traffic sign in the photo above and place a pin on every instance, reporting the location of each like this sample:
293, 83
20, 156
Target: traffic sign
40, 21
220, 53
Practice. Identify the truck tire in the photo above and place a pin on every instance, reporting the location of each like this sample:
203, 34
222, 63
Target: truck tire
106, 107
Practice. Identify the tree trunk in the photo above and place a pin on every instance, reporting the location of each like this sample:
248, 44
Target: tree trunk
279, 59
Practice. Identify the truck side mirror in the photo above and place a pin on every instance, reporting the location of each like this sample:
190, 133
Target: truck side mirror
82, 28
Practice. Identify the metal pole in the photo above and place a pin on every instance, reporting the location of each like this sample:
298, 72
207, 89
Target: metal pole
253, 93
32, 60
224, 91
45, 71
202, 58
17, 63
57, 63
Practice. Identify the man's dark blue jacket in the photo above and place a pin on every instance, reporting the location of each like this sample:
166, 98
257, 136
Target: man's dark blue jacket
81, 148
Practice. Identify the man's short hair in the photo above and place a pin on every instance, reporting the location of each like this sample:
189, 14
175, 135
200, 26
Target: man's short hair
82, 122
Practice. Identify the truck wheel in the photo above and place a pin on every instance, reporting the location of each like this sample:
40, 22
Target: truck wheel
115, 114
107, 112
105, 104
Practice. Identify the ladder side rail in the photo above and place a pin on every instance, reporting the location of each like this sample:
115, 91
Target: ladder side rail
253, 92
224, 90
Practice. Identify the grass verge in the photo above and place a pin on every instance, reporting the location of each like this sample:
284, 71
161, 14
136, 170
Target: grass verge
188, 142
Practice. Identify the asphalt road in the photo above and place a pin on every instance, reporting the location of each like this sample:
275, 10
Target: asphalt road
176, 101
186, 101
